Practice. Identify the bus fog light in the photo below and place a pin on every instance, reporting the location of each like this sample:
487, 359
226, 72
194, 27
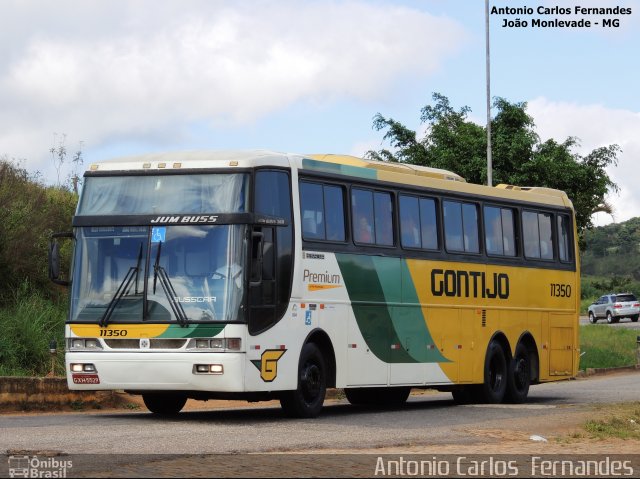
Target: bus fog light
76, 368
208, 369
82, 367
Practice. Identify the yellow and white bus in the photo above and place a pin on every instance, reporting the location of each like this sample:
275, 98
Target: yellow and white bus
261, 275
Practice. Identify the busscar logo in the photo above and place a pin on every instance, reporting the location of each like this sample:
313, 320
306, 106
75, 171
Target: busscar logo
184, 219
268, 364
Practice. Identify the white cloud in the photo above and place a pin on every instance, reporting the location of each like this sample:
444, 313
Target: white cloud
596, 126
139, 69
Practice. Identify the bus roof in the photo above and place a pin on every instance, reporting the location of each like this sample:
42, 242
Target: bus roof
400, 173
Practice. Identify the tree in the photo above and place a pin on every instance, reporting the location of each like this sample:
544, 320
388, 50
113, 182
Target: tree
454, 143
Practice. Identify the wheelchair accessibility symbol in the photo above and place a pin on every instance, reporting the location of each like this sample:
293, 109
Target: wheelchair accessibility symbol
158, 234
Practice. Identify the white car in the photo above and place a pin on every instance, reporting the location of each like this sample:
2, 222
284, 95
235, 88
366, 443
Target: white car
615, 306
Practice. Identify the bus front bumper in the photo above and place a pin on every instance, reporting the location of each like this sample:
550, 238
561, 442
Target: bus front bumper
220, 372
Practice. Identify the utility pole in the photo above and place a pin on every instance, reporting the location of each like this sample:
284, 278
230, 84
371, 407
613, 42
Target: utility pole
489, 159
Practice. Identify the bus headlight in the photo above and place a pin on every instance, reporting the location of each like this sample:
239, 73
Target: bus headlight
83, 344
215, 344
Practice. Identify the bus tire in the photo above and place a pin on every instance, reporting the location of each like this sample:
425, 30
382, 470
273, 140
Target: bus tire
307, 400
493, 389
519, 378
164, 403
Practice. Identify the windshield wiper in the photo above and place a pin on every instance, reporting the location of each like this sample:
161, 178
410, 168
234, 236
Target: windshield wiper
169, 291
122, 289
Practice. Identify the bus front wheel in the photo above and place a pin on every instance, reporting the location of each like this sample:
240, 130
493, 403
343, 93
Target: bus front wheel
493, 389
164, 403
307, 400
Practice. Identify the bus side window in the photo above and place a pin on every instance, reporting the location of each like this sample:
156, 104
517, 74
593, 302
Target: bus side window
362, 208
499, 231
461, 227
322, 212
546, 238
564, 245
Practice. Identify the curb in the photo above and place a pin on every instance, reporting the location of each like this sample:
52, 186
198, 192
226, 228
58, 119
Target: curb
602, 371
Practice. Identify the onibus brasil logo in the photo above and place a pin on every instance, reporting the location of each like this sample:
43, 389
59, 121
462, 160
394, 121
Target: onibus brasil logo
34, 466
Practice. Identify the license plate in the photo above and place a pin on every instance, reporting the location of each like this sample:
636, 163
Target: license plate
85, 379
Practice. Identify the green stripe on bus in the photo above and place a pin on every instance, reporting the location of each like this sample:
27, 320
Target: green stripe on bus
335, 168
193, 331
387, 310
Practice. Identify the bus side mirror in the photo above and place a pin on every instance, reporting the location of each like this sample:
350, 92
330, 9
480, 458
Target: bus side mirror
54, 258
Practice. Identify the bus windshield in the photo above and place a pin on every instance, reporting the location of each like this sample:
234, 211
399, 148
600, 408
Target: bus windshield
180, 273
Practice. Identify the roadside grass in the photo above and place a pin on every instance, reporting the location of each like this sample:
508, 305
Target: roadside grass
605, 347
28, 323
620, 421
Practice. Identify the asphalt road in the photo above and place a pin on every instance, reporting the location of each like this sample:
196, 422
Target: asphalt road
425, 419
625, 323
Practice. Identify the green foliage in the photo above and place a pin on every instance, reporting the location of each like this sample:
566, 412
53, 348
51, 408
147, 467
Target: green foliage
613, 249
27, 326
454, 143
605, 347
622, 421
31, 213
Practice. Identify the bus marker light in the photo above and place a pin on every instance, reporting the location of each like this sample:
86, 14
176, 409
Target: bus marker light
162, 165
352, 346
177, 165
281, 346
255, 347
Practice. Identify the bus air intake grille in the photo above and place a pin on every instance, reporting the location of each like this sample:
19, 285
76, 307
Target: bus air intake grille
154, 343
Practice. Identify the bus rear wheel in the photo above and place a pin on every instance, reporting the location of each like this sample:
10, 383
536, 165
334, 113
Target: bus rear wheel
519, 378
164, 403
494, 387
307, 400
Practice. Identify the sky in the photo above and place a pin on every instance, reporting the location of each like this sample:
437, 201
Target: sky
121, 77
